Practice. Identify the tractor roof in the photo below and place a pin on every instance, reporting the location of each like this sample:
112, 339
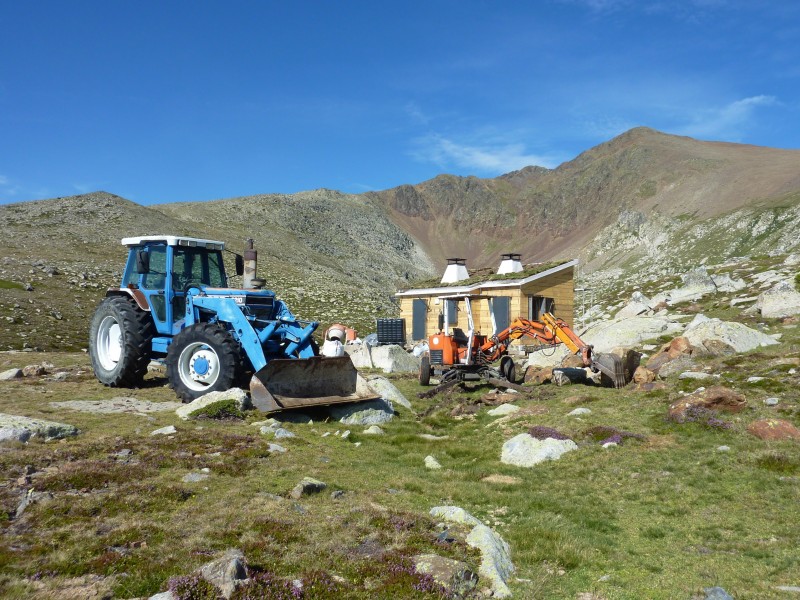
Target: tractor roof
173, 240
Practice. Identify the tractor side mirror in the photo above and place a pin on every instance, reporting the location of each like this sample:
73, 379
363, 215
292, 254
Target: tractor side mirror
142, 262
239, 265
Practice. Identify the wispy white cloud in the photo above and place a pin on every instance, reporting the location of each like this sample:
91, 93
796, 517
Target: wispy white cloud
484, 159
728, 122
416, 114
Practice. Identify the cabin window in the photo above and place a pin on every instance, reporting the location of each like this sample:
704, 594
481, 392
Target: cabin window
452, 312
538, 305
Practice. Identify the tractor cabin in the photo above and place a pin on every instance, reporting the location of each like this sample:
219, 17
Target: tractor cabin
513, 290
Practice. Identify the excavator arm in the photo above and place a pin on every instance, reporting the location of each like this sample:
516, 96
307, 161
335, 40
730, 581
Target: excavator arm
550, 330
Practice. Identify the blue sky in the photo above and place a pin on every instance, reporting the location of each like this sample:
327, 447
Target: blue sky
180, 101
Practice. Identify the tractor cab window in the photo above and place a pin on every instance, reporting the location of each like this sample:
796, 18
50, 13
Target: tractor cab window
196, 265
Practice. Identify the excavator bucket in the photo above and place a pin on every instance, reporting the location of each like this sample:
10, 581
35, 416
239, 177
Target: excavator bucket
300, 382
611, 368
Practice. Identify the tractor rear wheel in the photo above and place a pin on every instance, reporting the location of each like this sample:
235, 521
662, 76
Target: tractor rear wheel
120, 335
203, 358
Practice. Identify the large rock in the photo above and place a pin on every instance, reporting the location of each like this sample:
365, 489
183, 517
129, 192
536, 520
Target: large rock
736, 335
306, 487
388, 391
718, 398
724, 283
782, 300
774, 429
238, 396
547, 358
226, 572
525, 451
675, 349
17, 428
696, 284
360, 355
10, 374
394, 359
607, 335
643, 375
453, 575
496, 566
676, 366
454, 514
372, 412
538, 375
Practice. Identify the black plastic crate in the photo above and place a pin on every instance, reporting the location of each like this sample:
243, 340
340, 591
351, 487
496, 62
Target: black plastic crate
391, 331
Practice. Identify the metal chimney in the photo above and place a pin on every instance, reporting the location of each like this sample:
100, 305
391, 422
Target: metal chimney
510, 263
456, 270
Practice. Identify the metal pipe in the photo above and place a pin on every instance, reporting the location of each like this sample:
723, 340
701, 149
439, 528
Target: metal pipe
250, 265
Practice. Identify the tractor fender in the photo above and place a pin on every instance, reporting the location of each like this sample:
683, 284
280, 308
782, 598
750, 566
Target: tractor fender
137, 295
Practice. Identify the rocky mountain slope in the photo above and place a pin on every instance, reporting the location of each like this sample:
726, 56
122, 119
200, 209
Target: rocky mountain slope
602, 201
641, 206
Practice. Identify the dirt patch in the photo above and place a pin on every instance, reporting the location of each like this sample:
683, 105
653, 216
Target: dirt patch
119, 404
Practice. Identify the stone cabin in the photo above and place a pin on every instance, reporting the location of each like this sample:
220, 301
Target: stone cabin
514, 291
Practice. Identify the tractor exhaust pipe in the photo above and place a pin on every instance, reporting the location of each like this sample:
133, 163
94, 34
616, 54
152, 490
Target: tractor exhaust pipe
249, 279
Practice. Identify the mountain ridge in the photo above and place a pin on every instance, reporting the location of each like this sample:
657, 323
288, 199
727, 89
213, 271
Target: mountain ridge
642, 204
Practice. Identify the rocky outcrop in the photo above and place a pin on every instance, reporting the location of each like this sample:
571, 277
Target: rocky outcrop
387, 390
306, 487
736, 335
22, 429
496, 566
716, 398
226, 572
607, 335
782, 300
453, 575
372, 412
523, 450
234, 397
774, 429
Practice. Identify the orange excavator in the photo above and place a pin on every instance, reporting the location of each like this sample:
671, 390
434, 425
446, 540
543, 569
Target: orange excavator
456, 357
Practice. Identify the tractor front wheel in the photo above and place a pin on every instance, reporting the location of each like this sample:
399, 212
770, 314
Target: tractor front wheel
120, 335
202, 358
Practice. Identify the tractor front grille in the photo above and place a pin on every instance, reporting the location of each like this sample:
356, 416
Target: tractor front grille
260, 307
437, 357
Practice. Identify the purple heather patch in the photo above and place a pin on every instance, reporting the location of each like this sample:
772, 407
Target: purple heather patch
540, 432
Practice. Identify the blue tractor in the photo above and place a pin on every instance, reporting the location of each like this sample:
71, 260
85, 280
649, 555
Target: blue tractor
174, 305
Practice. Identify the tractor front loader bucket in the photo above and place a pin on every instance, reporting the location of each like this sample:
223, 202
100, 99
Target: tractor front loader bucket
299, 382
611, 367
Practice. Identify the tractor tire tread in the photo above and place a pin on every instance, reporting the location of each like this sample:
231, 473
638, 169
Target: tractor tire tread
137, 333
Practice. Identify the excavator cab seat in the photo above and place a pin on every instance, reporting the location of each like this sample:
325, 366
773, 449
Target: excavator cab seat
460, 337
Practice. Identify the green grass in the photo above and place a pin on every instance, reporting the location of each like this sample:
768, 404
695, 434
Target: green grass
662, 517
10, 285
